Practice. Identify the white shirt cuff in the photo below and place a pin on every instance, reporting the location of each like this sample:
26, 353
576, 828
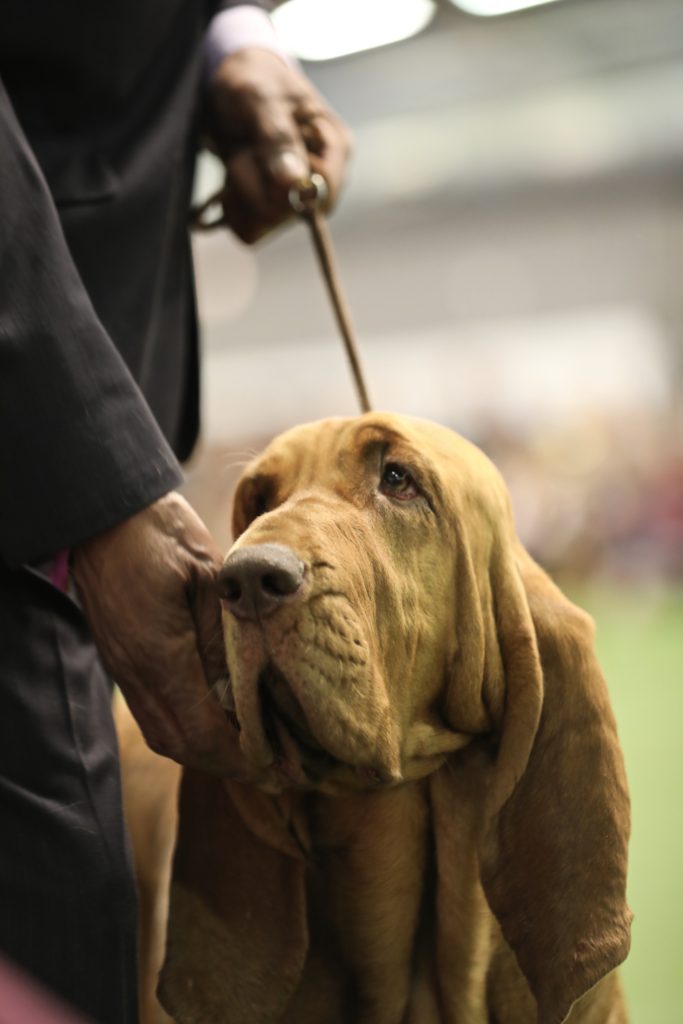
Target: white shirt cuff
237, 28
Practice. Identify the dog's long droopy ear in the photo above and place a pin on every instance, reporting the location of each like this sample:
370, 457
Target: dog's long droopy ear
237, 933
554, 847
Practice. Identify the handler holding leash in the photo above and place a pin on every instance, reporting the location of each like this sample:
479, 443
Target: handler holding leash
100, 108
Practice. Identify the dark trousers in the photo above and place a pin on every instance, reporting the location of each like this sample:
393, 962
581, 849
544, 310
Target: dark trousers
67, 894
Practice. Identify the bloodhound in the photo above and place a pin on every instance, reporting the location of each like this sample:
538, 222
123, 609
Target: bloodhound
437, 833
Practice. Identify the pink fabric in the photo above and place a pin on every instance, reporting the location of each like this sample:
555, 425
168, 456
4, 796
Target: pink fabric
59, 574
235, 29
22, 1002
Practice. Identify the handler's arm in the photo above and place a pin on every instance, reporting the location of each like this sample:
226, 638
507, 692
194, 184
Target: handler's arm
84, 466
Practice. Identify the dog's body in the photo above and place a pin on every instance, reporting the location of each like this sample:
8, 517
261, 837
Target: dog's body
437, 830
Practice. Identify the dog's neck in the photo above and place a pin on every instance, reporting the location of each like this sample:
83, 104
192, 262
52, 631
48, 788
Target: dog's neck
370, 868
397, 925
372, 883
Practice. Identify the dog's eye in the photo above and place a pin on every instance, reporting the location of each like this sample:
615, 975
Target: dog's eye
259, 504
397, 482
256, 497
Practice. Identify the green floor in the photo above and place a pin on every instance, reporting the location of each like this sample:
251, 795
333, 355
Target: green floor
640, 643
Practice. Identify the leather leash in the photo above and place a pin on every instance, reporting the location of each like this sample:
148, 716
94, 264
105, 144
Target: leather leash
307, 201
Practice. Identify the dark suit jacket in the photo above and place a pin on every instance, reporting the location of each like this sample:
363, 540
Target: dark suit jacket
97, 144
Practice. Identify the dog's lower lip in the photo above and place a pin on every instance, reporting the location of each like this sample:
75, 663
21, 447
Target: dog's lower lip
277, 725
281, 710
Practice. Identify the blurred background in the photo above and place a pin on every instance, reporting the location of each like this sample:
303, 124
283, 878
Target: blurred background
511, 242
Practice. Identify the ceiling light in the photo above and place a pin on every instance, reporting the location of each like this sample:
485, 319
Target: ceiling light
491, 8
321, 31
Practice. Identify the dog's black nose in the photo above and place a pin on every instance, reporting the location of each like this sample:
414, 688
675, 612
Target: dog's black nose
256, 580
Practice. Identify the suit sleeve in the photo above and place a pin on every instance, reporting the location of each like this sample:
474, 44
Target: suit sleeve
79, 448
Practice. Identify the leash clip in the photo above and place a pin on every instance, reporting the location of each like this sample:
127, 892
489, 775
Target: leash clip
308, 194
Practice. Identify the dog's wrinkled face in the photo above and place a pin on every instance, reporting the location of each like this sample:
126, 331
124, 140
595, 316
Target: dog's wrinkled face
340, 598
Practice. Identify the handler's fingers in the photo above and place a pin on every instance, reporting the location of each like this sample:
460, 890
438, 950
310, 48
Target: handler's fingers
252, 206
298, 138
280, 148
206, 613
253, 203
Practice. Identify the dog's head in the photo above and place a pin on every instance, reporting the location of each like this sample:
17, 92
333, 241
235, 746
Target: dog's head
380, 615
345, 614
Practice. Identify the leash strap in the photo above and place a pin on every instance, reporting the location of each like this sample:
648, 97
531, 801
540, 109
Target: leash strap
322, 244
307, 201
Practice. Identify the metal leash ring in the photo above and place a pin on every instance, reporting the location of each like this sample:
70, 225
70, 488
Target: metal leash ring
308, 194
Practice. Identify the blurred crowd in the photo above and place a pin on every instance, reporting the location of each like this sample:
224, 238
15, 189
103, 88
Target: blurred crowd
600, 496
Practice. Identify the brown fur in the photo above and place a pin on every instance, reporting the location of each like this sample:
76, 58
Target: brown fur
150, 796
460, 856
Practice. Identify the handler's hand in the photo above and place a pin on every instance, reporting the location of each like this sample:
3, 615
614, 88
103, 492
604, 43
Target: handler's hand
147, 587
272, 129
